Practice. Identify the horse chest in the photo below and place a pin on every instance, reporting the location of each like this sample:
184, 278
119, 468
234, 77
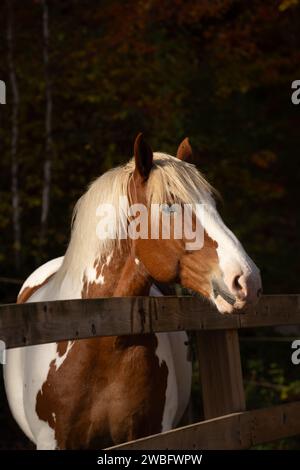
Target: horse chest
98, 392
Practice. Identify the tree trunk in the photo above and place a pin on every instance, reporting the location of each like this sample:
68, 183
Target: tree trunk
14, 136
48, 128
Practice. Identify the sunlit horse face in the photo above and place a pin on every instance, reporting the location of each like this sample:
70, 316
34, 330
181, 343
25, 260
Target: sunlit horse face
220, 269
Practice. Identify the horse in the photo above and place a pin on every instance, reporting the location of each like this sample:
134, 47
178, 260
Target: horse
99, 392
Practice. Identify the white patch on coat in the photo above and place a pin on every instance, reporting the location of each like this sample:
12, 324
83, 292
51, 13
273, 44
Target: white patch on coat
164, 354
233, 260
14, 386
92, 274
42, 273
24, 374
180, 371
93, 277
60, 359
183, 370
27, 369
46, 439
137, 261
22, 383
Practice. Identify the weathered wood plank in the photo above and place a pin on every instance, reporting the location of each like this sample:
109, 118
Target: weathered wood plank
220, 372
38, 323
273, 310
235, 431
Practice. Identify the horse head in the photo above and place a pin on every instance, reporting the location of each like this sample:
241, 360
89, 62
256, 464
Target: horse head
219, 269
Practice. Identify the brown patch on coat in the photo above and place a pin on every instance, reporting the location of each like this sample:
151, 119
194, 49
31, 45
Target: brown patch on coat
107, 391
62, 347
121, 277
196, 267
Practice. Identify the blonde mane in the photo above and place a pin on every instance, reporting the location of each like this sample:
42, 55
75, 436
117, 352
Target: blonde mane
170, 180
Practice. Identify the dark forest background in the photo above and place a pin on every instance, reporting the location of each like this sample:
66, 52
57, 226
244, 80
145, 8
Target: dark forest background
84, 77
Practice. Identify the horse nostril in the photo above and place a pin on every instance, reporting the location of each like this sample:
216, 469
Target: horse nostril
236, 283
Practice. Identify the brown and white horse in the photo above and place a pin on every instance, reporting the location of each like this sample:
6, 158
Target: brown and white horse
99, 392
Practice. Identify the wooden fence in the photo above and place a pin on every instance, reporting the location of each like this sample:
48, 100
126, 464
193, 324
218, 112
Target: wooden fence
227, 424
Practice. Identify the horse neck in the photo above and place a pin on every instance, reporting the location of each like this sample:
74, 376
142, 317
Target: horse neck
119, 274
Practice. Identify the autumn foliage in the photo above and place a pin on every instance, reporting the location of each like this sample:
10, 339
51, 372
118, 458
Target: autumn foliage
218, 71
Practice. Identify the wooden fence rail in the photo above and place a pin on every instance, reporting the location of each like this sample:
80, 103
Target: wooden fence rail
44, 322
235, 431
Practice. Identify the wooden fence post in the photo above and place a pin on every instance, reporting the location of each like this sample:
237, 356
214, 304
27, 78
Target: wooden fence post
220, 372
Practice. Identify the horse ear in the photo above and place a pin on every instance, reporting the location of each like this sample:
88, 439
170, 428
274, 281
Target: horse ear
143, 156
185, 151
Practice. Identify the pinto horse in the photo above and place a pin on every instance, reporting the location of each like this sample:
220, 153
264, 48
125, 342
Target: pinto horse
103, 391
